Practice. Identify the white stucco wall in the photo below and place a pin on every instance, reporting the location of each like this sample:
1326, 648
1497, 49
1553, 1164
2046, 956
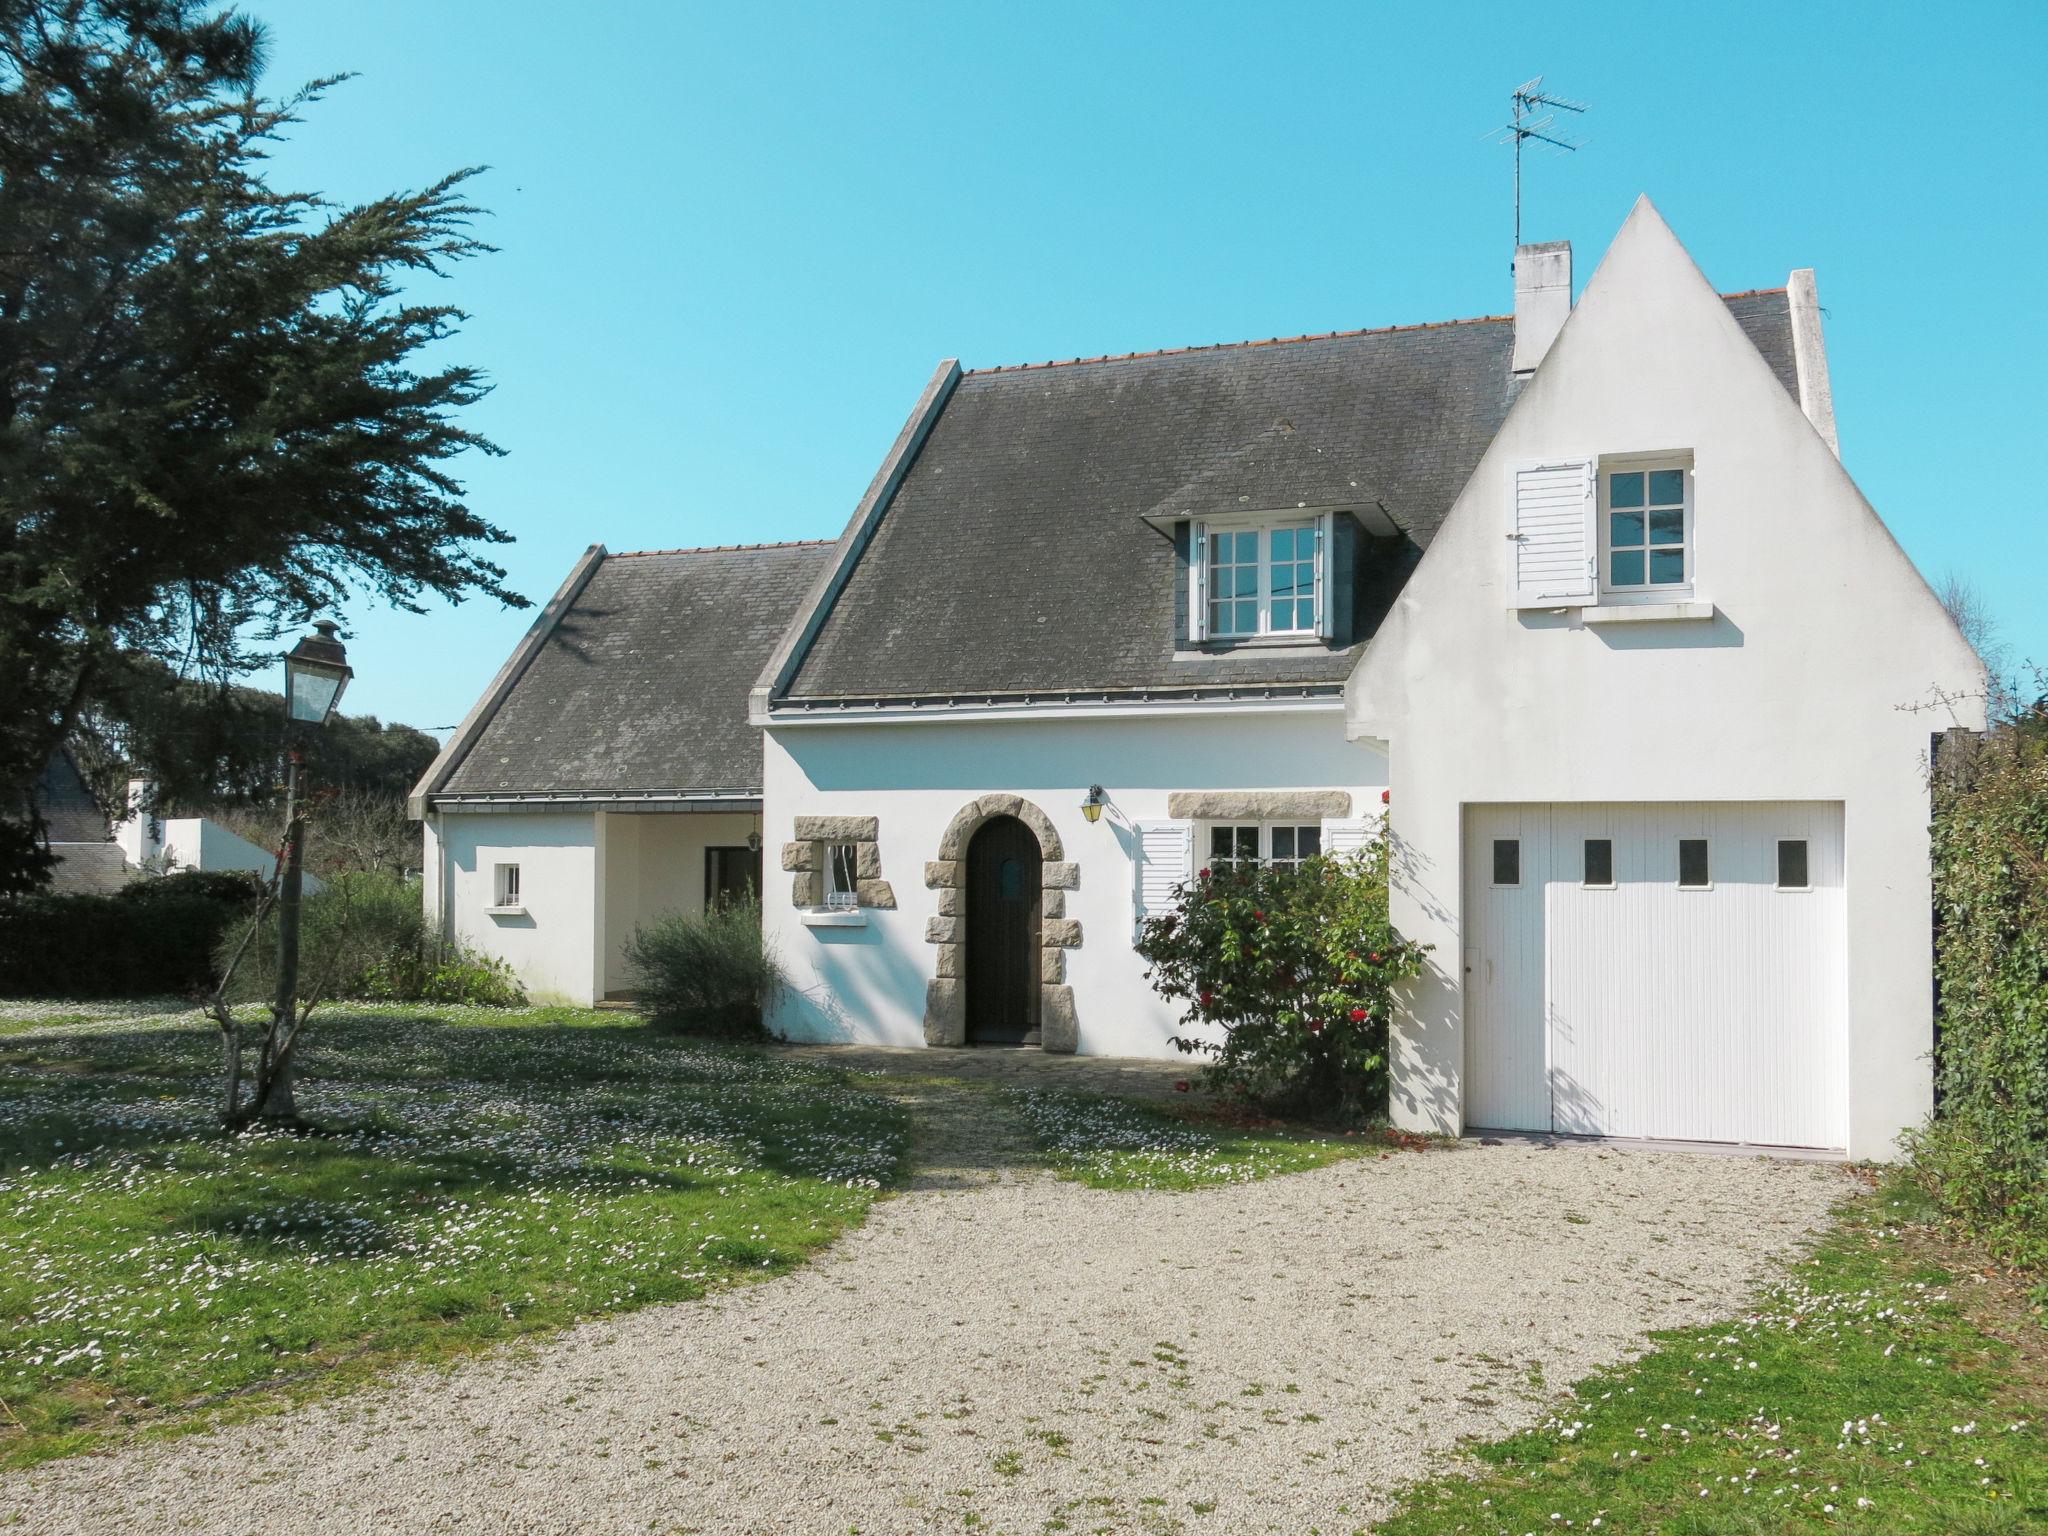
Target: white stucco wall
1818, 679
551, 946
868, 983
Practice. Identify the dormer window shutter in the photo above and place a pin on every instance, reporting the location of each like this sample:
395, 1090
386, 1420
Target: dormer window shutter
1554, 545
1198, 581
1326, 626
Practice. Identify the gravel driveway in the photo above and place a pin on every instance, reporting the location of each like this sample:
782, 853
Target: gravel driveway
1269, 1357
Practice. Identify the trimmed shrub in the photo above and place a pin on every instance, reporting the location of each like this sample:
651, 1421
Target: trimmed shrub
363, 935
713, 973
1295, 970
1984, 1157
151, 937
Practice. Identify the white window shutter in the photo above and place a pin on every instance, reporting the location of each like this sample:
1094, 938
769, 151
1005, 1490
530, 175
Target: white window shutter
1344, 835
1555, 543
1198, 581
1325, 626
1164, 856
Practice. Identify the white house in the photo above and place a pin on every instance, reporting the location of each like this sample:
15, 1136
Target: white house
608, 775
1583, 593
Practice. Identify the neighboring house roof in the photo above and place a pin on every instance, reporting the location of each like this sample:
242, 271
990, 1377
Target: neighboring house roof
635, 680
69, 811
1022, 552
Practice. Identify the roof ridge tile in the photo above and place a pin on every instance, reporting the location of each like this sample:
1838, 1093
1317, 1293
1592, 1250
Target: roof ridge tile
720, 549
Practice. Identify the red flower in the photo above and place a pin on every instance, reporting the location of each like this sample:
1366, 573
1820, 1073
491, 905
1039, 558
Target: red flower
1359, 1015
1315, 1026
1258, 917
1203, 875
1386, 796
1208, 998
1375, 957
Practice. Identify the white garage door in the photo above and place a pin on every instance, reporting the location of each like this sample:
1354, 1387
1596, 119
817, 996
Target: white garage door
1659, 970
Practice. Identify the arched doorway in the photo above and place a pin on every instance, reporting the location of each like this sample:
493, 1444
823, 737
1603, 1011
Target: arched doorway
1004, 869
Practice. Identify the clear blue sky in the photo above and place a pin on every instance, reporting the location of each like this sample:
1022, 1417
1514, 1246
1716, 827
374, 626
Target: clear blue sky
735, 239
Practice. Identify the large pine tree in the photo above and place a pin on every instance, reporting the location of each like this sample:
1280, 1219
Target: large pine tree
214, 413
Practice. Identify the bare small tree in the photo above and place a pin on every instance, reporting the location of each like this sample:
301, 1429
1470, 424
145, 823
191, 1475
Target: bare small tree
266, 1094
1973, 616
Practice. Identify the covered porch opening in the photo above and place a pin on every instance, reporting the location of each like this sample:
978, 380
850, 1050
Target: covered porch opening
658, 859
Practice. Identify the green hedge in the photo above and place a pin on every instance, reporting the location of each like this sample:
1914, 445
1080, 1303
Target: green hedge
149, 938
1985, 1155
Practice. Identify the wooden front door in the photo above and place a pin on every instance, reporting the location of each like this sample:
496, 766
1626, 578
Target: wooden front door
1002, 934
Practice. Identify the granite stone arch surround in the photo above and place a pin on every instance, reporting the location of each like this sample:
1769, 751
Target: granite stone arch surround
945, 998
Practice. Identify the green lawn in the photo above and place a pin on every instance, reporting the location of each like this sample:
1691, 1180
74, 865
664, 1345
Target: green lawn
1112, 1143
1881, 1388
482, 1174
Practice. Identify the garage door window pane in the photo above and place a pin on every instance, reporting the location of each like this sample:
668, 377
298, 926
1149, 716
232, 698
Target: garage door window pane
1599, 861
1792, 864
1692, 862
1507, 861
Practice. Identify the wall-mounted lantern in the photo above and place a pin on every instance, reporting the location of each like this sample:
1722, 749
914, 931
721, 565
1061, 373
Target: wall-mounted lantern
1091, 807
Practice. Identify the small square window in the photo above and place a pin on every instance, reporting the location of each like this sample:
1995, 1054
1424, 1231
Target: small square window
842, 875
1792, 874
1599, 861
1230, 845
1693, 871
1647, 537
1507, 861
505, 885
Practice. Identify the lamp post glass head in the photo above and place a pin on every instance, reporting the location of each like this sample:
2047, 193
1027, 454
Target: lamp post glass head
1091, 808
316, 670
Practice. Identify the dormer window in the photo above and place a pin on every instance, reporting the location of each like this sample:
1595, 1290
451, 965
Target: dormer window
1260, 577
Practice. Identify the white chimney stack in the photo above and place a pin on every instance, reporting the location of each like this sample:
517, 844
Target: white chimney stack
140, 834
1543, 299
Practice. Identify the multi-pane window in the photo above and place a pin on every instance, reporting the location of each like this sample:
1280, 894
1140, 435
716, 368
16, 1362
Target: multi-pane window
1646, 528
505, 885
842, 875
1263, 581
1284, 844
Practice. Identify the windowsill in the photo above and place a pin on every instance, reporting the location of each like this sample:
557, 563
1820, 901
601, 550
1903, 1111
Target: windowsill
1277, 645
504, 911
1614, 611
833, 917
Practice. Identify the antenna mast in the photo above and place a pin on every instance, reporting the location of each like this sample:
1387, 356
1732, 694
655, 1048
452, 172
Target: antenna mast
1534, 118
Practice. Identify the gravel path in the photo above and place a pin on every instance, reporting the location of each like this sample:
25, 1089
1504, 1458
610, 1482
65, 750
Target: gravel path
1270, 1357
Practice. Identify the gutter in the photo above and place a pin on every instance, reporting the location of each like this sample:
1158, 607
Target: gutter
515, 667
1150, 706
630, 800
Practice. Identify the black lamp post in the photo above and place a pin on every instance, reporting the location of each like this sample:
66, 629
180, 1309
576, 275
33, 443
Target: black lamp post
316, 670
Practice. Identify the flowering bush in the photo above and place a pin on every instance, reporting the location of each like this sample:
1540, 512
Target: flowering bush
1294, 969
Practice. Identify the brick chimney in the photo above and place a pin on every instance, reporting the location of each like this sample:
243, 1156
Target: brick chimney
1543, 300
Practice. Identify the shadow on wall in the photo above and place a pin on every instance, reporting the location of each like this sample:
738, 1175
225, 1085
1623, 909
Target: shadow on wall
869, 974
1718, 633
1062, 756
1429, 1060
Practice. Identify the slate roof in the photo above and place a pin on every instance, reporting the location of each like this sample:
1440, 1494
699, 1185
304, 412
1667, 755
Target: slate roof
69, 812
1021, 554
642, 685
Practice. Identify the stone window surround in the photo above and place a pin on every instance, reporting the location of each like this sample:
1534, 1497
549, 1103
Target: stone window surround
805, 859
945, 1006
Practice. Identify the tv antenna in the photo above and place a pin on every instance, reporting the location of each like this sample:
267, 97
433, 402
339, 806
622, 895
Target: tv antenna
1535, 117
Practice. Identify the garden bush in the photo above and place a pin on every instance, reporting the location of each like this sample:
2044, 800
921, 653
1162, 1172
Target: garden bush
714, 973
364, 935
1984, 1157
1293, 971
150, 937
